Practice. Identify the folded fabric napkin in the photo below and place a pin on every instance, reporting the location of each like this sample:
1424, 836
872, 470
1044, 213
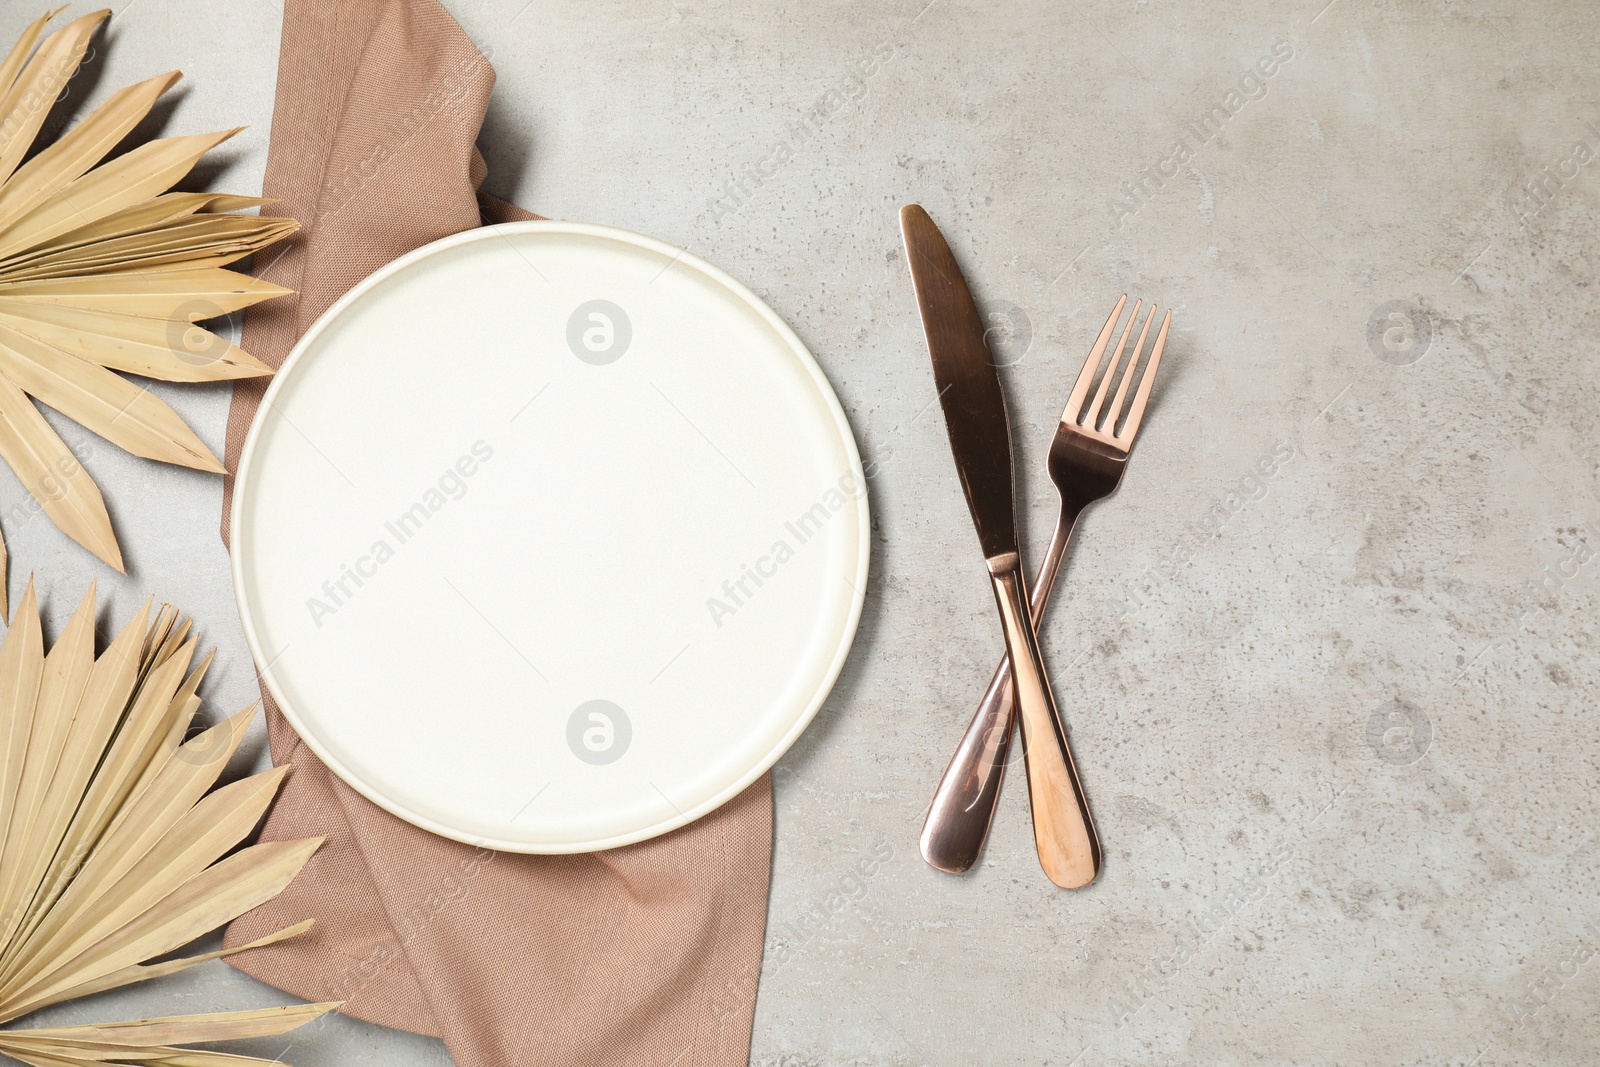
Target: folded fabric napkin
642, 955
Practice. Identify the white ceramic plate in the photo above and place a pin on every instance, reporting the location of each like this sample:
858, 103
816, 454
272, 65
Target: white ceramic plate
550, 537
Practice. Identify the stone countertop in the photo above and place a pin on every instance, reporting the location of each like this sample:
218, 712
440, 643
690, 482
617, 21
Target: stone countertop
1328, 657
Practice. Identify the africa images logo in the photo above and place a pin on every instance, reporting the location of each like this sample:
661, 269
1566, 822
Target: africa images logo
599, 732
599, 332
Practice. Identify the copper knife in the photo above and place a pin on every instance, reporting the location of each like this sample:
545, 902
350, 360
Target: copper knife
980, 437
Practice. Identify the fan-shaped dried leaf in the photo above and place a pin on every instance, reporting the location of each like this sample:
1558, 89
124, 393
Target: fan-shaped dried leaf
103, 269
113, 842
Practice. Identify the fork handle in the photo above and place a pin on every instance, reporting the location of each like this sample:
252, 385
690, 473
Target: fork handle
964, 804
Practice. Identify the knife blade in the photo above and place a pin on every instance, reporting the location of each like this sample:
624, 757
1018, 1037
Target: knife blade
969, 385
980, 439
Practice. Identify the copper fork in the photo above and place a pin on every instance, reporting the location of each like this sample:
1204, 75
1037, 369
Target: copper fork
1087, 458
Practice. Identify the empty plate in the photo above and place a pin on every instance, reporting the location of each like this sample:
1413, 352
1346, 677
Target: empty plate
550, 537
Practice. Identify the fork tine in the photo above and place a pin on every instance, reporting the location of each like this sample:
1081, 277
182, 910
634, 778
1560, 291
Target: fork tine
1114, 412
1136, 412
1091, 417
1086, 376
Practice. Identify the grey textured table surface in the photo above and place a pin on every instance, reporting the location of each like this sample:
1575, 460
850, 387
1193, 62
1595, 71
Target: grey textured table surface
1335, 720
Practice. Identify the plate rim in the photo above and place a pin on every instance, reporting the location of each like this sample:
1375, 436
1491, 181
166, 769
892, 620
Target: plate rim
239, 538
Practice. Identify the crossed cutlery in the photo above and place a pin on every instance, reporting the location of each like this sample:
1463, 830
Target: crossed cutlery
1086, 460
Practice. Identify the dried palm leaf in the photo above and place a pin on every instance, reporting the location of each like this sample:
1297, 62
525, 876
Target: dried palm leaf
103, 270
112, 838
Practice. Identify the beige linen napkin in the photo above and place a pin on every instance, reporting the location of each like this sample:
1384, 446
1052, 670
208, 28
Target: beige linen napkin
642, 955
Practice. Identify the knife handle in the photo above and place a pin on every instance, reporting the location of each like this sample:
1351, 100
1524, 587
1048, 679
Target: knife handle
964, 804
1063, 830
